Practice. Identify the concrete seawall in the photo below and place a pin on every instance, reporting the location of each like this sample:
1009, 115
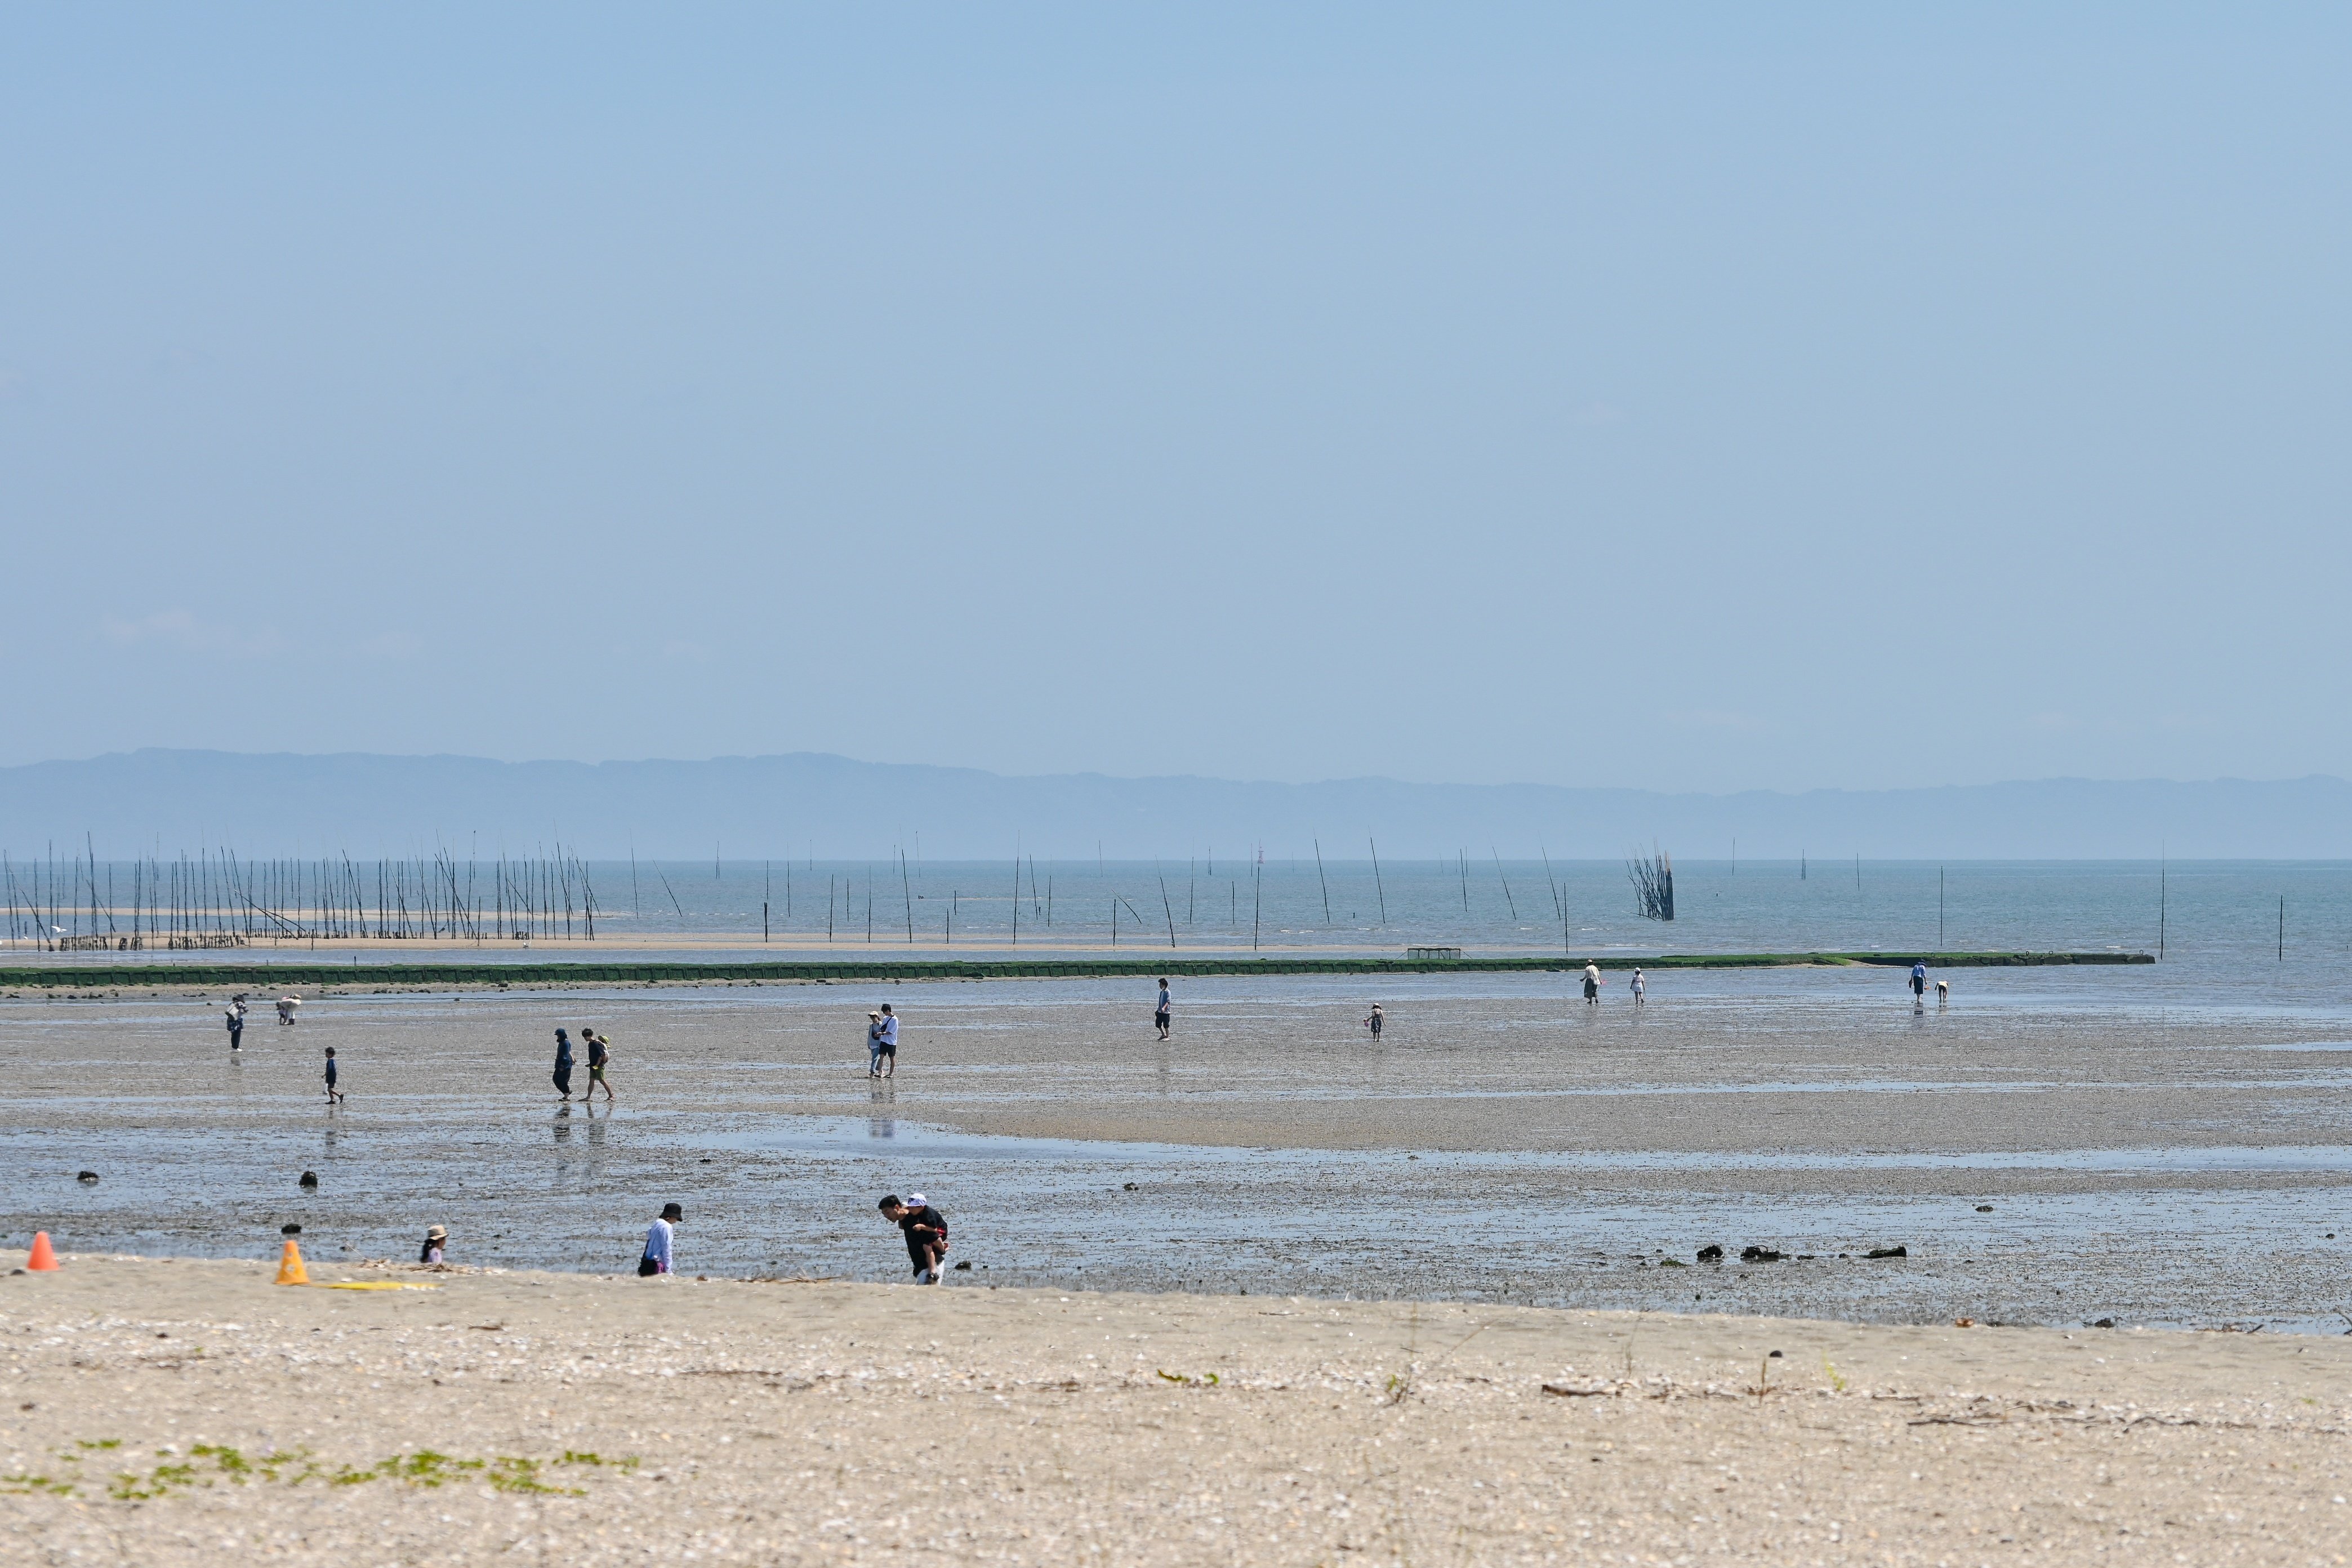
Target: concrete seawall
261, 973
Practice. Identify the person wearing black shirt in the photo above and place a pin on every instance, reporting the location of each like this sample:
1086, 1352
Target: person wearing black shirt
927, 1235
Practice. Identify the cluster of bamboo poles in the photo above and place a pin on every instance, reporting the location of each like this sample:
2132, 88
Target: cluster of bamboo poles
215, 898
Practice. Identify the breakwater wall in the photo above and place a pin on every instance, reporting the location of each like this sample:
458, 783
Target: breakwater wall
263, 975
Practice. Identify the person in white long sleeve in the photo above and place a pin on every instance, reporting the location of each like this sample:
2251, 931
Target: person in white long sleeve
658, 1242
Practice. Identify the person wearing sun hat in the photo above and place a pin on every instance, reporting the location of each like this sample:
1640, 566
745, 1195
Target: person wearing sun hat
436, 1237
658, 1242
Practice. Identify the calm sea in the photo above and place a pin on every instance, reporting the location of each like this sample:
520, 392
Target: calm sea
2230, 923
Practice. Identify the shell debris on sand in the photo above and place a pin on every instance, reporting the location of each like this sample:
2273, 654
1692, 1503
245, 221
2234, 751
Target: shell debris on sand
187, 1412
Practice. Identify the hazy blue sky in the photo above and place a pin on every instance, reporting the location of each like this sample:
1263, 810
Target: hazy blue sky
1693, 398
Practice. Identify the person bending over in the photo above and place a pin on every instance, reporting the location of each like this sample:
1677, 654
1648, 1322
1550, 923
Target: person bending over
660, 1239
927, 1235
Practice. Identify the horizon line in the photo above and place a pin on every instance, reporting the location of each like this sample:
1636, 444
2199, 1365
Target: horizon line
1160, 778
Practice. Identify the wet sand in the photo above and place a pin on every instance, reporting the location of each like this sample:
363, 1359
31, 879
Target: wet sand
2061, 1147
186, 1412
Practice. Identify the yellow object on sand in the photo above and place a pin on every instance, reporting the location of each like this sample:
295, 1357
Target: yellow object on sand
377, 1285
290, 1265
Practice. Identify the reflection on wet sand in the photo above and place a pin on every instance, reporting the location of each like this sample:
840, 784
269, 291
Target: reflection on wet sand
2060, 1148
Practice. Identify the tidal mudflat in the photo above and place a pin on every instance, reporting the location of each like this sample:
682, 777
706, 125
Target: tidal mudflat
2059, 1148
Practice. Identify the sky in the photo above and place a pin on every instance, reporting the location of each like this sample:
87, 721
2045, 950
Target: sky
1704, 397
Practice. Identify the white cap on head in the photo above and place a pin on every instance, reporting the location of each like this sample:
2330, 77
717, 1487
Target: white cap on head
916, 1200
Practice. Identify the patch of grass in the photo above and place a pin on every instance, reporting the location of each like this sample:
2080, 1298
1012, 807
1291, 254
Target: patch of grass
131, 1487
1206, 1380
210, 1464
575, 1456
25, 1485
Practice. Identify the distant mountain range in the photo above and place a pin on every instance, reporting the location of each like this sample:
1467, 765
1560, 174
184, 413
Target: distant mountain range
834, 807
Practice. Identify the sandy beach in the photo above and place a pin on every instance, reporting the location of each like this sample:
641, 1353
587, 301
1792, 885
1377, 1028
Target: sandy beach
190, 1411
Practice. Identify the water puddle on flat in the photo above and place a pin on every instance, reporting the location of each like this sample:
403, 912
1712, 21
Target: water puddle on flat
853, 1136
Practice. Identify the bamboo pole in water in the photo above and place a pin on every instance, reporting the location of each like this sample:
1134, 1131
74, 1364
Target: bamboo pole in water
908, 887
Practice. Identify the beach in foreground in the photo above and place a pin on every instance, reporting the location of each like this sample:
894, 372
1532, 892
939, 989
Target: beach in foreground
190, 1410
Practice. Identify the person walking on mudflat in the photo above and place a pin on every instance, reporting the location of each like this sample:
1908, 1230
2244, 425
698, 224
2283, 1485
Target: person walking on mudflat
1592, 984
1376, 1021
886, 1044
1919, 986
334, 1095
563, 1064
1160, 1009
235, 1021
599, 1060
1641, 987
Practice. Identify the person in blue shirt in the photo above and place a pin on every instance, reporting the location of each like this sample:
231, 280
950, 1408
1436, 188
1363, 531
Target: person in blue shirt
1919, 983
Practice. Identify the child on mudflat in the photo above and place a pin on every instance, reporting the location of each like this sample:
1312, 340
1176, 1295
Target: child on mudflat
334, 1096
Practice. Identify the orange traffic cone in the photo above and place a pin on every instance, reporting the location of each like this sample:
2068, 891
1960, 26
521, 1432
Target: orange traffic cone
290, 1265
43, 1258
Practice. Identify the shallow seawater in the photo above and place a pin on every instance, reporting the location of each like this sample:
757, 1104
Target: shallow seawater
2059, 1147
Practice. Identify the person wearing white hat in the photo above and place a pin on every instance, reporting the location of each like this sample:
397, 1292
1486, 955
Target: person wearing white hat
927, 1234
